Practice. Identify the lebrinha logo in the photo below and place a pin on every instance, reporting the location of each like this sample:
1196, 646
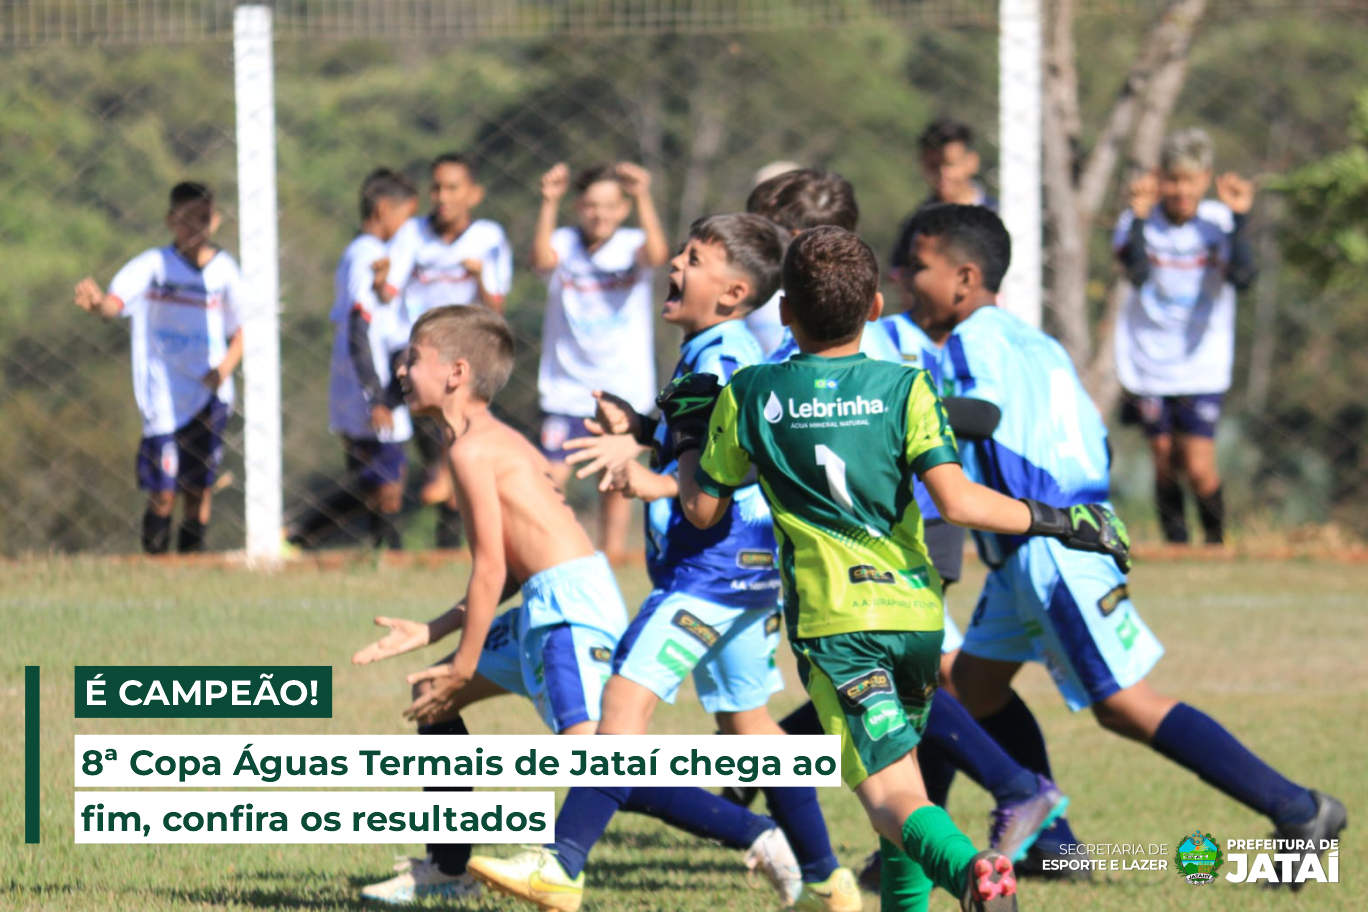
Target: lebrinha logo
1198, 858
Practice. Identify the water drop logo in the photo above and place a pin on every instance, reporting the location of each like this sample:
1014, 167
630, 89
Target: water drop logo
774, 409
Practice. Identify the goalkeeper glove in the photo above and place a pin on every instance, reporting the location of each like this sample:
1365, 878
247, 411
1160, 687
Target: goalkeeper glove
1086, 527
686, 405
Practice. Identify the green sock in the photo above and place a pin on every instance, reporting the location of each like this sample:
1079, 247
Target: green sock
903, 885
931, 839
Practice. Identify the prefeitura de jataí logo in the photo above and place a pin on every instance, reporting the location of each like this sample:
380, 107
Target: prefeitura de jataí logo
1198, 858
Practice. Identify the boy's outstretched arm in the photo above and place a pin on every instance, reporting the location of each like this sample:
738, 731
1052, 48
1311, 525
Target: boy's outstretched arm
554, 183
1086, 527
92, 299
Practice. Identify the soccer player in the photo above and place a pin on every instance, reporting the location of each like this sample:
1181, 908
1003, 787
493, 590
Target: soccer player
1042, 602
446, 257
183, 303
365, 404
950, 166
598, 329
799, 200
1185, 257
861, 599
522, 535
714, 610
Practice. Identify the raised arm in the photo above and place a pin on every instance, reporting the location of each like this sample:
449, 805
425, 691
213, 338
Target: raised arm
554, 183
636, 180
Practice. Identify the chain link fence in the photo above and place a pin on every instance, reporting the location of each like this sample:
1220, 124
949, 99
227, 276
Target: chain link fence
105, 105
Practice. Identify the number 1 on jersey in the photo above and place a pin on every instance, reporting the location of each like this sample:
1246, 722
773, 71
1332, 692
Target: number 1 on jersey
835, 475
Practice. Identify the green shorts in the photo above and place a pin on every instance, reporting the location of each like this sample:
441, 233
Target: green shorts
874, 689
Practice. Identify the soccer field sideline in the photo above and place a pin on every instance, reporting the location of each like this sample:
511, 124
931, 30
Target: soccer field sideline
1269, 648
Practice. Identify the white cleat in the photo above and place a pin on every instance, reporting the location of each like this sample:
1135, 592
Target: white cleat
420, 878
771, 855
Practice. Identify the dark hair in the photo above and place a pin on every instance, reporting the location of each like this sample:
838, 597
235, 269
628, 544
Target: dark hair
799, 200
830, 279
191, 192
457, 158
968, 234
475, 333
594, 174
382, 183
755, 245
944, 132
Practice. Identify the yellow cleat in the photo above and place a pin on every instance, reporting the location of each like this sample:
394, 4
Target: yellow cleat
838, 893
534, 876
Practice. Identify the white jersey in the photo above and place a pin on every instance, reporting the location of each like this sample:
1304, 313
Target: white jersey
182, 318
429, 272
1176, 333
353, 289
765, 325
599, 331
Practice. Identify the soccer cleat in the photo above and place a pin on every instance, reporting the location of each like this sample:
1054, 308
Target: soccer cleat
535, 876
771, 855
1328, 822
1014, 827
838, 893
992, 884
420, 878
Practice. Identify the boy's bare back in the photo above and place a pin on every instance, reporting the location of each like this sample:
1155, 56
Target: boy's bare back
496, 468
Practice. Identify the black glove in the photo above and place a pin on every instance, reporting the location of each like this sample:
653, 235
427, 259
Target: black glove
1086, 527
686, 405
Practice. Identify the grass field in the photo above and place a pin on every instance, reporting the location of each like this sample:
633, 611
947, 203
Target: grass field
1273, 650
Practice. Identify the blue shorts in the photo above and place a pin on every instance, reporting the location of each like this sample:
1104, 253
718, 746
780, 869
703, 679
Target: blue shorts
374, 463
556, 648
953, 638
190, 458
1071, 611
556, 429
729, 651
1194, 416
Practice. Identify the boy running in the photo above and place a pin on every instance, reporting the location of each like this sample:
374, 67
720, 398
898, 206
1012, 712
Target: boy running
861, 599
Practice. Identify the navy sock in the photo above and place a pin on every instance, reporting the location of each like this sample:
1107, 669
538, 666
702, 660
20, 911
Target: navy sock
1015, 729
699, 812
582, 818
1191, 738
797, 812
450, 858
937, 769
802, 721
384, 529
951, 729
156, 533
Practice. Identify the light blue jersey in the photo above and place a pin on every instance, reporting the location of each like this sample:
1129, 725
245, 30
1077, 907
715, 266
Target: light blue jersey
1070, 610
1051, 444
734, 561
875, 344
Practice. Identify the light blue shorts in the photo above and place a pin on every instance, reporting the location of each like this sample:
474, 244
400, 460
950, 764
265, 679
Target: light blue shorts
1069, 610
562, 663
729, 651
953, 638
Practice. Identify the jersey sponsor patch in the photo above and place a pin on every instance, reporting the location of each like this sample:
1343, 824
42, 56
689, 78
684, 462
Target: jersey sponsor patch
864, 573
866, 687
917, 577
695, 627
601, 654
752, 560
1107, 603
676, 658
772, 625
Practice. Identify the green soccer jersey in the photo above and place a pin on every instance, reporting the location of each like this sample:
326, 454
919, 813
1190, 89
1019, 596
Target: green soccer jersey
835, 442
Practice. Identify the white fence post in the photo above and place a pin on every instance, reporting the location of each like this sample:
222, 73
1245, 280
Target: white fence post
1019, 125
258, 245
